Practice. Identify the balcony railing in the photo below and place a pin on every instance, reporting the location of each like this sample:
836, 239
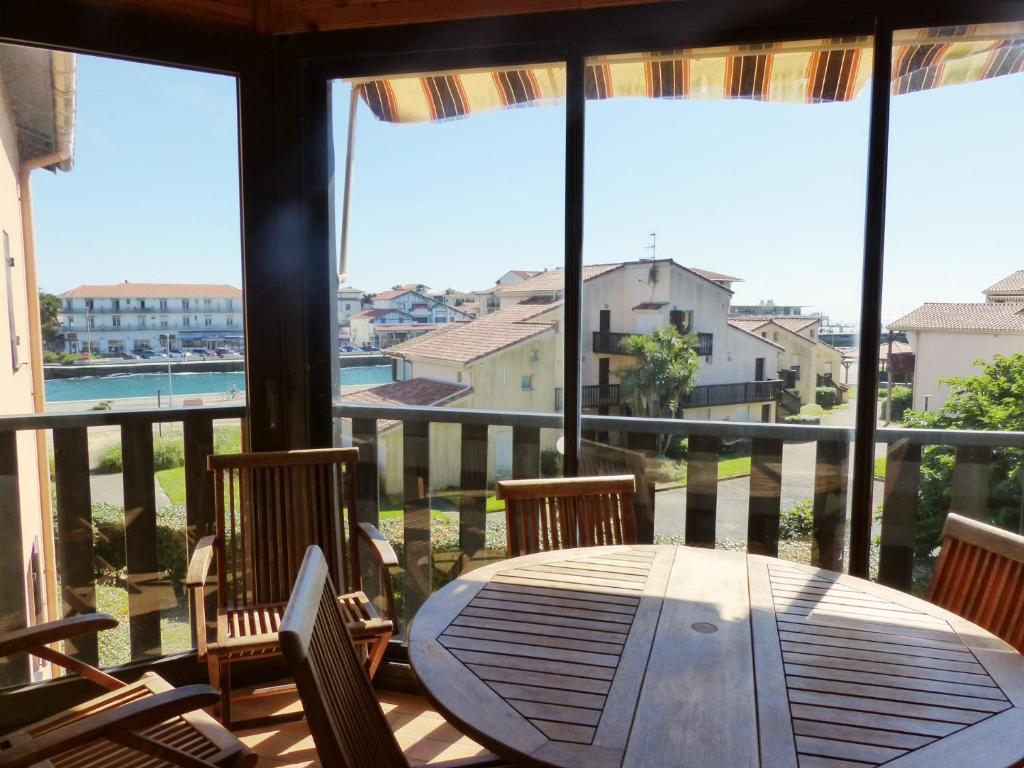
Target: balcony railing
611, 343
593, 396
145, 576
708, 395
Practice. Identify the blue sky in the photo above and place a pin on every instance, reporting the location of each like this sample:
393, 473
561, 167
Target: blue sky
771, 193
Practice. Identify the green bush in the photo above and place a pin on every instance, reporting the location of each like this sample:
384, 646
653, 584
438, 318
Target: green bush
50, 357
66, 358
111, 459
109, 543
677, 448
797, 521
103, 405
826, 397
802, 418
227, 440
168, 453
550, 460
902, 399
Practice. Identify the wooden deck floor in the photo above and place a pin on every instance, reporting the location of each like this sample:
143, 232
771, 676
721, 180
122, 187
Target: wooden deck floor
422, 733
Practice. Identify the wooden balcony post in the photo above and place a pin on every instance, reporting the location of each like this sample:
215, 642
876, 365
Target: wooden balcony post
416, 466
971, 481
831, 477
75, 556
701, 490
902, 480
199, 507
144, 590
14, 669
525, 452
473, 496
765, 497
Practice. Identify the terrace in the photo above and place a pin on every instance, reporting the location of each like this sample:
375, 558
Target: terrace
864, 482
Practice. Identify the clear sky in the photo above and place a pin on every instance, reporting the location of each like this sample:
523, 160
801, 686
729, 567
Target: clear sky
771, 193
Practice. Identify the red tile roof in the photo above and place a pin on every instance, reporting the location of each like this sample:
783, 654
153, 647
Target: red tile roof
413, 392
1012, 284
554, 279
466, 342
128, 290
757, 336
990, 316
707, 274
794, 323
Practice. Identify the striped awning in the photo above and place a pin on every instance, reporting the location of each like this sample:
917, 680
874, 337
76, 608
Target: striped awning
803, 72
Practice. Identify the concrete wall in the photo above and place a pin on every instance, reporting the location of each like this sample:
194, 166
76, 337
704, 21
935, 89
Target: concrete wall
16, 384
941, 354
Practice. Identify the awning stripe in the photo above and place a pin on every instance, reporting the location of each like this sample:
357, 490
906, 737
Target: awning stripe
808, 72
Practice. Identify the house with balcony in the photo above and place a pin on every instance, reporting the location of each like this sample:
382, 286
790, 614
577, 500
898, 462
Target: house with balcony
163, 317
807, 361
400, 314
947, 339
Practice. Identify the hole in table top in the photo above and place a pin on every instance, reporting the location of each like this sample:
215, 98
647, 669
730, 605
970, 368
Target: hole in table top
704, 627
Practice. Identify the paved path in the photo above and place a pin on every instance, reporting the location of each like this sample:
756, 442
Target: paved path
109, 489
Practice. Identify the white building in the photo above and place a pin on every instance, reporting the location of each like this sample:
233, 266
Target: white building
619, 300
349, 303
127, 317
401, 314
948, 339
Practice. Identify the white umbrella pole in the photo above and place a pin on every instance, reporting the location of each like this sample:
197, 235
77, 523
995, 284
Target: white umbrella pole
346, 199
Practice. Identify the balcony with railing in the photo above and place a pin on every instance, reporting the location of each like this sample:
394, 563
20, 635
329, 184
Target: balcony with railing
608, 343
140, 551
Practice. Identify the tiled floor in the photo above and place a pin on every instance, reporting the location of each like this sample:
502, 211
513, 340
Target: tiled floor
422, 733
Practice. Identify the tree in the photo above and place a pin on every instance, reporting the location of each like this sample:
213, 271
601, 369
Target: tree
991, 401
49, 309
663, 374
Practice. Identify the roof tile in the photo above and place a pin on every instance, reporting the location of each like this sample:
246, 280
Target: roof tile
989, 316
154, 290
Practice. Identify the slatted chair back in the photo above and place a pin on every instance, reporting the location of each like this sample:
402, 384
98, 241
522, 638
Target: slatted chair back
344, 717
980, 576
542, 515
270, 507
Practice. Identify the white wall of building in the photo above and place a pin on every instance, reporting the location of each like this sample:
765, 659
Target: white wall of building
941, 354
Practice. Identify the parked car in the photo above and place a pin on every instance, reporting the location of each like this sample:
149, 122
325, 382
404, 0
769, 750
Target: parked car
370, 348
224, 352
175, 354
349, 348
149, 354
197, 352
127, 356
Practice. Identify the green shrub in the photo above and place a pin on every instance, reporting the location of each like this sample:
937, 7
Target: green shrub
111, 459
550, 461
826, 397
168, 453
797, 521
103, 405
227, 440
109, 543
902, 399
66, 358
677, 448
50, 357
802, 418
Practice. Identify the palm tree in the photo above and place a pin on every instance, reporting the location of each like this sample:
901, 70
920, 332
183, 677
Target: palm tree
664, 373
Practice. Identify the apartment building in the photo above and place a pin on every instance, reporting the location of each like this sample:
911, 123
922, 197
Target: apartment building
401, 314
164, 317
350, 302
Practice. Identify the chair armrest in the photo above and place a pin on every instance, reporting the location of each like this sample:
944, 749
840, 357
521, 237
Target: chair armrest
136, 715
199, 565
379, 546
54, 631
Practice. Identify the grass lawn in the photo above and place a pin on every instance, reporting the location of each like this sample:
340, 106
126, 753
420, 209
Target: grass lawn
733, 467
173, 483
880, 468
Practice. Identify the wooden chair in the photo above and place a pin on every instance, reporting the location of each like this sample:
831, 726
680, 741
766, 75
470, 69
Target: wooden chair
542, 515
980, 576
135, 725
269, 508
344, 716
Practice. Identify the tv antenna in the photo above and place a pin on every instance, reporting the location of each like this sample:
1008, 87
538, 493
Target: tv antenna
653, 247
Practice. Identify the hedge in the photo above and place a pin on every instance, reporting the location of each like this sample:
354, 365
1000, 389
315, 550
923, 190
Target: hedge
826, 397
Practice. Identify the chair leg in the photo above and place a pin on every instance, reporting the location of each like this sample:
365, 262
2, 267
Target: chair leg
213, 666
375, 653
225, 696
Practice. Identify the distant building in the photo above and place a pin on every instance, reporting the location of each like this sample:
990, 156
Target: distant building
514, 276
349, 303
807, 362
766, 309
401, 314
947, 339
129, 317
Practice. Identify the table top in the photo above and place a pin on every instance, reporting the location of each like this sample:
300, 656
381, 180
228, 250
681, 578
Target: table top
664, 655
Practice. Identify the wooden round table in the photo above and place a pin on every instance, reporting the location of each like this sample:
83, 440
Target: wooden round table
669, 656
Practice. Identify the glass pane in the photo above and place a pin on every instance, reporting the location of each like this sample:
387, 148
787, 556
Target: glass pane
454, 203
952, 347
723, 243
121, 291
